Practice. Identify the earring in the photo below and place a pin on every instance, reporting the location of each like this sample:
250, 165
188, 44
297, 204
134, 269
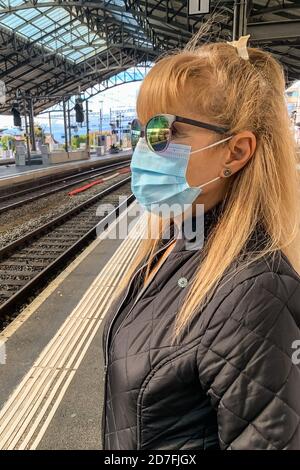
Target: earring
227, 172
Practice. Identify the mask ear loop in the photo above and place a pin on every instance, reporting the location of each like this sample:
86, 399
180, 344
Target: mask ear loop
218, 177
212, 145
205, 184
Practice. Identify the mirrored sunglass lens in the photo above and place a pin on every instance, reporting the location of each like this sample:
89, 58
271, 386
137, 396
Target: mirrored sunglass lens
158, 133
135, 133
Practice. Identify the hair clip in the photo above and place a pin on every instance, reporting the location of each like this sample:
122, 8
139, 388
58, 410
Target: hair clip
241, 46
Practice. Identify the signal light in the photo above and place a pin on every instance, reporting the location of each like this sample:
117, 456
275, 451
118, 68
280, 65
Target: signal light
79, 111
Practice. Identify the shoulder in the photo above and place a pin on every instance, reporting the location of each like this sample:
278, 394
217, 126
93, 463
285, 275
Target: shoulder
245, 357
269, 277
258, 307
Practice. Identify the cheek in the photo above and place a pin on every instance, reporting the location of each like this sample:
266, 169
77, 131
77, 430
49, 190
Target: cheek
200, 169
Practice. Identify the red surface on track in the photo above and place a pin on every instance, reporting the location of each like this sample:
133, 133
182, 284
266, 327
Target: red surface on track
99, 181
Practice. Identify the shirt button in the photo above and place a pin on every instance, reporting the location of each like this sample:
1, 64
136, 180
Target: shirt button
182, 282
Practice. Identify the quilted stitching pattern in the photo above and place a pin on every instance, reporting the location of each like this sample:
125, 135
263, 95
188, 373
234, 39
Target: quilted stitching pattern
245, 365
231, 384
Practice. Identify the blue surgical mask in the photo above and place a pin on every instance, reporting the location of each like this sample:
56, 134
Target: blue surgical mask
158, 181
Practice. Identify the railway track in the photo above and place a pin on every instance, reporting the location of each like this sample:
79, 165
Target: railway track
19, 198
51, 178
28, 262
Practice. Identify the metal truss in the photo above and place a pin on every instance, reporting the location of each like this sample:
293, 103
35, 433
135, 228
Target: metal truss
131, 75
133, 33
32, 68
128, 76
274, 25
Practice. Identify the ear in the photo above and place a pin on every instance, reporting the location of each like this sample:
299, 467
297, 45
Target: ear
241, 147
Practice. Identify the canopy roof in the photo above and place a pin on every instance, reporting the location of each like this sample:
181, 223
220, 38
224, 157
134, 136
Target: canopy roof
49, 48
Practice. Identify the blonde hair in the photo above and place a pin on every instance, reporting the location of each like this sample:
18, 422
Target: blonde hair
230, 92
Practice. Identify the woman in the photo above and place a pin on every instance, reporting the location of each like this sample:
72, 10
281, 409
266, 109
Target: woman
201, 342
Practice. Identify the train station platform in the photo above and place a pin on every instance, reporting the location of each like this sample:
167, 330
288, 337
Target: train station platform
52, 380
7, 161
13, 174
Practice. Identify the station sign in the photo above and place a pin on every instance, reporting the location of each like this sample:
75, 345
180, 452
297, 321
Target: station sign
198, 7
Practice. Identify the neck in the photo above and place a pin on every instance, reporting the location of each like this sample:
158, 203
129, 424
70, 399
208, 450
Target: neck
209, 200
207, 206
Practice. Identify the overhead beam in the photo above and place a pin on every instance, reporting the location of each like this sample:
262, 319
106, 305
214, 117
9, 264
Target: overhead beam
274, 30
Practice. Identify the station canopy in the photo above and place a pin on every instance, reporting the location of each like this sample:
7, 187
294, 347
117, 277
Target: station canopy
51, 48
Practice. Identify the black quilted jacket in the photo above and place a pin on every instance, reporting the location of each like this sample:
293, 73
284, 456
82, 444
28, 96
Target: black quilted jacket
233, 383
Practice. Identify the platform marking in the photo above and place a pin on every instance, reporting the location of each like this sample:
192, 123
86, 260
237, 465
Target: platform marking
26, 415
63, 165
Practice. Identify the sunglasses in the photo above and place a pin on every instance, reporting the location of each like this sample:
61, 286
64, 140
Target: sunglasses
158, 130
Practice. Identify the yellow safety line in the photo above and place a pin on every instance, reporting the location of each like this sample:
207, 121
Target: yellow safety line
27, 413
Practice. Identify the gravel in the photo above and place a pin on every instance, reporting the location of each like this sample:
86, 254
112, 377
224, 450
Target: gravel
17, 222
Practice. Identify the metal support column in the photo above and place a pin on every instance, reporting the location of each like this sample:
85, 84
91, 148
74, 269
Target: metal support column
50, 126
239, 19
69, 124
31, 124
87, 125
65, 124
27, 131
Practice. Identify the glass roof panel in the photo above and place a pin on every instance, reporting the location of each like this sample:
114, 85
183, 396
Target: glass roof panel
28, 29
29, 14
12, 21
52, 27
